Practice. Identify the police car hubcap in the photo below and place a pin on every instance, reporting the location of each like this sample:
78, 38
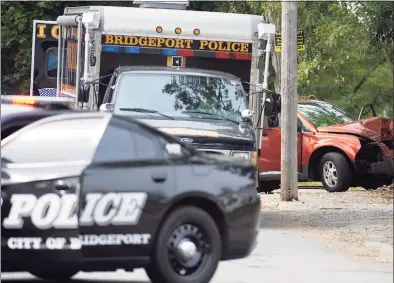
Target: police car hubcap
187, 249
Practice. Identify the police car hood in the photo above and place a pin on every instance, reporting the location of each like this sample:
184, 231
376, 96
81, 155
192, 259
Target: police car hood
203, 131
22, 173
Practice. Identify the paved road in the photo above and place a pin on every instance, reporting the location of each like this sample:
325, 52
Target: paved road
279, 257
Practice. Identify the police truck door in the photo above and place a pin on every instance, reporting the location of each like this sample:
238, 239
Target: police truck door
44, 58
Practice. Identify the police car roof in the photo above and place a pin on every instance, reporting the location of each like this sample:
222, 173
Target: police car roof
175, 70
37, 102
110, 115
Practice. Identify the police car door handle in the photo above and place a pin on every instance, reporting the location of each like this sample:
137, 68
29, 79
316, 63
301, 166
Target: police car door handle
62, 186
159, 177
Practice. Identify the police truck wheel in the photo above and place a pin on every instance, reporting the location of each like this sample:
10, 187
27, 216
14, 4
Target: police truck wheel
187, 248
54, 274
335, 172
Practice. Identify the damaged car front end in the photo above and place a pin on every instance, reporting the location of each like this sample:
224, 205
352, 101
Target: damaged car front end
374, 162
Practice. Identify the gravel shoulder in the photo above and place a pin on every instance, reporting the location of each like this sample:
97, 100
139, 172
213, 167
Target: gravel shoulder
358, 223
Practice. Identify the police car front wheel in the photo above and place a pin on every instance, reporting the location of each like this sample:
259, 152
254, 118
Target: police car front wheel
187, 249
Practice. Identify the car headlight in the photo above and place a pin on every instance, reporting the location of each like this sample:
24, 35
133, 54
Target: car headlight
241, 154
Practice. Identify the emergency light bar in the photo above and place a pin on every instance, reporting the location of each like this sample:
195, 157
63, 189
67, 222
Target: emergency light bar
176, 52
44, 102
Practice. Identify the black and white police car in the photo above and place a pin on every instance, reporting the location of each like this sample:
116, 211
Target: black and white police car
99, 192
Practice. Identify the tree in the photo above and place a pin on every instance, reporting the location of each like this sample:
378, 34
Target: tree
378, 18
338, 64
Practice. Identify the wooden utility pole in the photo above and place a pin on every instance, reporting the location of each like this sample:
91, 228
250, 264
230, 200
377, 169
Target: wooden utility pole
289, 178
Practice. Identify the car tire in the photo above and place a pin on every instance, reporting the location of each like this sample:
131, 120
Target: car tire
169, 265
55, 274
268, 186
335, 172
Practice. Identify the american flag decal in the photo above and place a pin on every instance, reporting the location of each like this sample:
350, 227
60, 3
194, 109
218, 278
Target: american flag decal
47, 92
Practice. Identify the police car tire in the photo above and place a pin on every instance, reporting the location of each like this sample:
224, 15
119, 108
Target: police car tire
54, 274
159, 269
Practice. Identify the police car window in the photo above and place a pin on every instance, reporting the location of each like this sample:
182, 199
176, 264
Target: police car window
52, 62
57, 141
117, 144
147, 146
122, 142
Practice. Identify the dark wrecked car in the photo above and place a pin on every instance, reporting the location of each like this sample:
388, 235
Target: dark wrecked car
334, 148
98, 192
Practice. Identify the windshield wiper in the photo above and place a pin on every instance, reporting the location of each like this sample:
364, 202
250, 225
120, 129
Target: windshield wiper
209, 113
143, 110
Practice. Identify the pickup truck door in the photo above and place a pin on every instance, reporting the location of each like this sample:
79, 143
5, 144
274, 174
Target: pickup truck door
270, 156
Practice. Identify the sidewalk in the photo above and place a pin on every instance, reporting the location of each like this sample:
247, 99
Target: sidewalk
282, 257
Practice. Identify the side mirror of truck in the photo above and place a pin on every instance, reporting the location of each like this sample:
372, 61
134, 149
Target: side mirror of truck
273, 104
106, 107
363, 111
247, 115
273, 121
83, 95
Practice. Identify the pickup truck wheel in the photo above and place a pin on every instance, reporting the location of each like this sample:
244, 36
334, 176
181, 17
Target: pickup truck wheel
187, 248
55, 274
335, 172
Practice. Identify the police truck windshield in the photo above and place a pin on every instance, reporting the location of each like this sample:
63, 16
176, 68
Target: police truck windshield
175, 95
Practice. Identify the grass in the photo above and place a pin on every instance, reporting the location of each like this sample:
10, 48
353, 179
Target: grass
310, 184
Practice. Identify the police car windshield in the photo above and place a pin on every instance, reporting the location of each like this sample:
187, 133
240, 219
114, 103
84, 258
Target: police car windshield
181, 95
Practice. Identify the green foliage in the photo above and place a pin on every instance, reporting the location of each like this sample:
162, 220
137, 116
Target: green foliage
341, 63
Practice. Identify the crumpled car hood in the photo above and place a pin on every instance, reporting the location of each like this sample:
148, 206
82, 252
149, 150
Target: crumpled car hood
375, 128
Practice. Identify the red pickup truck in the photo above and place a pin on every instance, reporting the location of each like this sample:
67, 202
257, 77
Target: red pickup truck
333, 148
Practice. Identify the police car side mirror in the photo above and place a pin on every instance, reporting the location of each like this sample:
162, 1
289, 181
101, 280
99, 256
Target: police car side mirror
173, 149
106, 107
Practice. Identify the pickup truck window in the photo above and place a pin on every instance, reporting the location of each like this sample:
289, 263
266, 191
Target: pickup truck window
180, 95
322, 114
